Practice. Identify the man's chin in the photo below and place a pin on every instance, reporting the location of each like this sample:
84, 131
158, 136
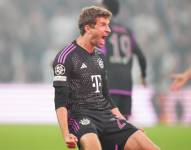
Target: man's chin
100, 45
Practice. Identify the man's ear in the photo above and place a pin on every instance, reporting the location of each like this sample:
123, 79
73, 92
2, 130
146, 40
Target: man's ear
87, 28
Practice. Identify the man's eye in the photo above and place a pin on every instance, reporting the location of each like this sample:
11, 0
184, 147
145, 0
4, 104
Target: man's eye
104, 25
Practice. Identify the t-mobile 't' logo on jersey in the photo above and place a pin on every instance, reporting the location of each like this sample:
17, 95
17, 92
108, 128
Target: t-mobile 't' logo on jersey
96, 79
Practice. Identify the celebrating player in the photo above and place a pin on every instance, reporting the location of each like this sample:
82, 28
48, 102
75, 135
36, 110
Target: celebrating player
85, 112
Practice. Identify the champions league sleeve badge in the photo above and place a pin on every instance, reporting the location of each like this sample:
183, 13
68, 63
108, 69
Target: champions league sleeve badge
59, 69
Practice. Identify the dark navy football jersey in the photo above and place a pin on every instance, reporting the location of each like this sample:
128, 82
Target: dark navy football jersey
84, 75
119, 49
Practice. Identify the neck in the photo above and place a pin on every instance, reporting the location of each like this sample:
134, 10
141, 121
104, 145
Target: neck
84, 42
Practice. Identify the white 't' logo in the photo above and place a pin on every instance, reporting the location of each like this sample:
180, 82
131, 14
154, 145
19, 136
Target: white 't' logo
96, 79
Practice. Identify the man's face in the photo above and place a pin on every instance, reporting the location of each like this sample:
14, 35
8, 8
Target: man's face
100, 31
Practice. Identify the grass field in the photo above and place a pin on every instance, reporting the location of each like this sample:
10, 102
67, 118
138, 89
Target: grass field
48, 137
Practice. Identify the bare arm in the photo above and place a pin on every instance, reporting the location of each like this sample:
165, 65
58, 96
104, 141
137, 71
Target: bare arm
62, 116
180, 79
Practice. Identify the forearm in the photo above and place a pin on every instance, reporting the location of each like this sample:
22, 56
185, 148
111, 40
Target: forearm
187, 74
62, 116
181, 79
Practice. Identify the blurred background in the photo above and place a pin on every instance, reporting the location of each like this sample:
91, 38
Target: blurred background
32, 32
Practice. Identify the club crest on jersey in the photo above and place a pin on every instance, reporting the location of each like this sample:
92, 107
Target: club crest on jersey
100, 62
85, 121
59, 69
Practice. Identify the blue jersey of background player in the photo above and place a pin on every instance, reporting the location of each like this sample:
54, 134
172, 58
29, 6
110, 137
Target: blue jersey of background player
119, 49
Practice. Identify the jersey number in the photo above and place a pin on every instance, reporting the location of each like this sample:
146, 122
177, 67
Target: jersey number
121, 47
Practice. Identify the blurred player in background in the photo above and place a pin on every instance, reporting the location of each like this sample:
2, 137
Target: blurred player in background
85, 112
119, 49
180, 79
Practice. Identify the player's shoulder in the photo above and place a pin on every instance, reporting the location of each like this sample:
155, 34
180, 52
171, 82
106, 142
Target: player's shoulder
65, 53
120, 28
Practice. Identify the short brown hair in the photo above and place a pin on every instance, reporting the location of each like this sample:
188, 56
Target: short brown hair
89, 14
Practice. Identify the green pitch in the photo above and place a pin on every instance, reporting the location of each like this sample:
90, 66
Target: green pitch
48, 137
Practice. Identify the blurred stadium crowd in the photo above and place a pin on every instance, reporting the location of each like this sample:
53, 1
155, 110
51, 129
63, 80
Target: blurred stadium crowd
32, 32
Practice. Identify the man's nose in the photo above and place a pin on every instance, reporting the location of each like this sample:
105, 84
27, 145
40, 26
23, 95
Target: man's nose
108, 29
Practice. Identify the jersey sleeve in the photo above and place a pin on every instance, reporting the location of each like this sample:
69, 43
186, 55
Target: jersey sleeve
61, 73
60, 83
138, 52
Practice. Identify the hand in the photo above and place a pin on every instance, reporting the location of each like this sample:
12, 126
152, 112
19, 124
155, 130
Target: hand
71, 141
117, 113
179, 81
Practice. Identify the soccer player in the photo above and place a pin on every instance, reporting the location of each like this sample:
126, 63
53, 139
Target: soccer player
85, 112
119, 49
180, 79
